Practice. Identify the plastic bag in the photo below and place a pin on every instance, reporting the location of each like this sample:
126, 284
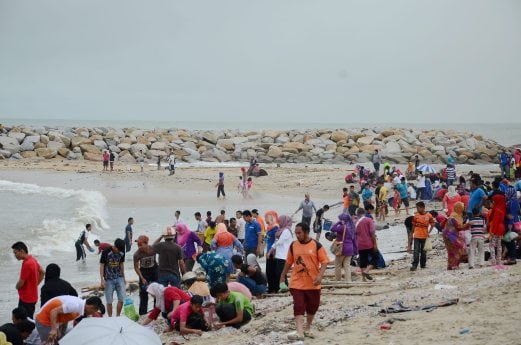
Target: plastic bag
428, 245
129, 310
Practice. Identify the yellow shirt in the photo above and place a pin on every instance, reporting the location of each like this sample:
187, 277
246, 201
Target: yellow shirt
382, 196
209, 233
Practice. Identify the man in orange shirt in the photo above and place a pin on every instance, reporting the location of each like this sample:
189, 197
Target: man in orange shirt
423, 223
309, 260
345, 197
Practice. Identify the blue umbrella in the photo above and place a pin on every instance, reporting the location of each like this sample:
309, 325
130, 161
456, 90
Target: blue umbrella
426, 169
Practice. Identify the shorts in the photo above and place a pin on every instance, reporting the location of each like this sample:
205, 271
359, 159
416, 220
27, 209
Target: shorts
118, 285
405, 201
105, 163
364, 258
318, 229
305, 301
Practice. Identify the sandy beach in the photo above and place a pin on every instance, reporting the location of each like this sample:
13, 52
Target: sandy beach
486, 298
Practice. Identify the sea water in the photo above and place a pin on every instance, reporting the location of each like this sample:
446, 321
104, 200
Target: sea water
49, 220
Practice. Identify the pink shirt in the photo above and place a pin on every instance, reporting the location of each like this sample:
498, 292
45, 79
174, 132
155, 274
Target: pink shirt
181, 313
365, 230
238, 287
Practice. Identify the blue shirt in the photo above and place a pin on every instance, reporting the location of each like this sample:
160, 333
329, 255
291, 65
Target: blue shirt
475, 199
251, 231
518, 186
270, 238
366, 194
402, 189
128, 229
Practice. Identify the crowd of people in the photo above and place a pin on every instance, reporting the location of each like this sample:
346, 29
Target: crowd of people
209, 277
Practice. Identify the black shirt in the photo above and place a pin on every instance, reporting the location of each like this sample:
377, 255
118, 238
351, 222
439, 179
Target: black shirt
12, 334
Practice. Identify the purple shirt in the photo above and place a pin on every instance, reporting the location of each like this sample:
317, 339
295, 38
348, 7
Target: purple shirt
349, 247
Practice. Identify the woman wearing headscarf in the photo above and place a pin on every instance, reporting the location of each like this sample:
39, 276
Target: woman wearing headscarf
279, 249
345, 232
512, 218
167, 299
272, 227
188, 241
54, 286
496, 223
450, 199
224, 244
453, 236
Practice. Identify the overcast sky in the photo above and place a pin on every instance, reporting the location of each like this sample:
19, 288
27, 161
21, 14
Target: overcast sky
273, 60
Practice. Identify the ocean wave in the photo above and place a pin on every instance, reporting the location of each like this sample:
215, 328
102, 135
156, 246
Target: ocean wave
58, 232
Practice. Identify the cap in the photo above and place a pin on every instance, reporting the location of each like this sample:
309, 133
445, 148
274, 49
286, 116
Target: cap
169, 232
189, 275
142, 239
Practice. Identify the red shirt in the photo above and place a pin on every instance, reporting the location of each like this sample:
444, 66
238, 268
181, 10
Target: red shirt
102, 246
171, 294
182, 313
28, 293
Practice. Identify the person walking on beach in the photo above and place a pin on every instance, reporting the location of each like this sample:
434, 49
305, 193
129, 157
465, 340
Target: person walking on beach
171, 163
423, 223
128, 234
106, 157
220, 186
112, 275
82, 241
279, 252
366, 241
170, 259
377, 160
146, 268
404, 195
345, 232
309, 260
307, 206
31, 275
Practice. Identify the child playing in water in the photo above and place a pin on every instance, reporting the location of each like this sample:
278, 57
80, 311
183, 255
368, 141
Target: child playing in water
249, 183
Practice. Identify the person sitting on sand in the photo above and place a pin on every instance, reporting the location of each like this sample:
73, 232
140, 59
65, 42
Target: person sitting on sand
166, 300
233, 308
188, 318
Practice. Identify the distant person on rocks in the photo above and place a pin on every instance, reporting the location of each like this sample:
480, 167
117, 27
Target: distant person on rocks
128, 234
106, 157
31, 275
112, 275
307, 206
83, 241
53, 286
112, 158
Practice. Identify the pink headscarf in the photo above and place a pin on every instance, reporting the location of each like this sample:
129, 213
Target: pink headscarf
285, 222
182, 234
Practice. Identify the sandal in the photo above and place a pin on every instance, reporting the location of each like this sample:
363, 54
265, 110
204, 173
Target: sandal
309, 334
295, 337
366, 275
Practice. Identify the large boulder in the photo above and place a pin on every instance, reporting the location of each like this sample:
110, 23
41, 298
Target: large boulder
19, 136
339, 135
160, 146
124, 146
194, 154
26, 146
89, 148
46, 153
78, 141
9, 144
28, 154
92, 156
136, 148
274, 151
55, 145
367, 140
226, 144
392, 147
100, 144
64, 152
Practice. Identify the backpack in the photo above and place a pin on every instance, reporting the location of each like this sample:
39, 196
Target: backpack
318, 245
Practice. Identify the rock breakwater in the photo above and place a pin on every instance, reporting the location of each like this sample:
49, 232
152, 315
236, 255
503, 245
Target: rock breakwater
315, 146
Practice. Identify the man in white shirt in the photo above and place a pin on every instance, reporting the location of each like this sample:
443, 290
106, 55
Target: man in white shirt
420, 186
201, 224
412, 192
177, 218
241, 224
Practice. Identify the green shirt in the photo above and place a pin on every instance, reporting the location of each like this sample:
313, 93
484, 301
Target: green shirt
240, 302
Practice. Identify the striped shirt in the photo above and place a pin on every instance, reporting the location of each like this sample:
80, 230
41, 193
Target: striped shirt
477, 227
451, 173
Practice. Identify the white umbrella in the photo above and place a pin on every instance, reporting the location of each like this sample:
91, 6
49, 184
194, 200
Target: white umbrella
426, 169
110, 331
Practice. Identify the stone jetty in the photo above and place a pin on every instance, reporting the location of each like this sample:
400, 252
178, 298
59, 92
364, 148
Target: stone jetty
315, 146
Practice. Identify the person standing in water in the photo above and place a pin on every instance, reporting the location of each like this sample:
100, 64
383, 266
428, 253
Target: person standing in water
128, 234
220, 185
81, 241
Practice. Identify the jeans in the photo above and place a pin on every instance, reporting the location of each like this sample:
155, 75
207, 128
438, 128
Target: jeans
170, 278
189, 264
505, 170
419, 255
117, 285
80, 251
256, 289
450, 182
419, 193
477, 243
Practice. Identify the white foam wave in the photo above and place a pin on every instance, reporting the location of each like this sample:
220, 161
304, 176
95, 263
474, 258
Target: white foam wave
58, 232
